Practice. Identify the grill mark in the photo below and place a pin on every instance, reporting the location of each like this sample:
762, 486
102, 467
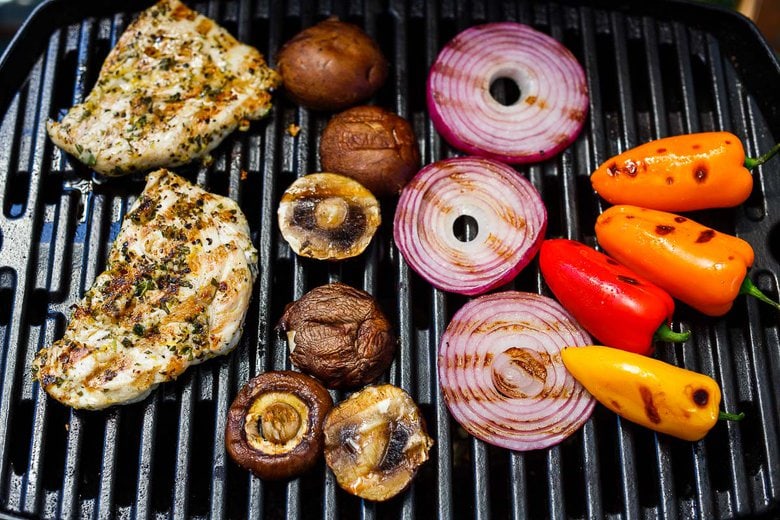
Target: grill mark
431, 198
705, 236
511, 326
496, 245
628, 168
700, 172
577, 115
650, 409
628, 280
701, 397
512, 218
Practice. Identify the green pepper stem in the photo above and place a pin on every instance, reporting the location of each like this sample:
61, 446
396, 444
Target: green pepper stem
752, 162
749, 288
664, 333
723, 416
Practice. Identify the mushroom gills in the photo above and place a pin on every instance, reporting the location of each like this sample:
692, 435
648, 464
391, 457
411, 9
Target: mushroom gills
328, 216
334, 222
375, 441
274, 425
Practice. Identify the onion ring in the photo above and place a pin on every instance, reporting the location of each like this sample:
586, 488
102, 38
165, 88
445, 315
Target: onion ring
501, 372
547, 117
509, 213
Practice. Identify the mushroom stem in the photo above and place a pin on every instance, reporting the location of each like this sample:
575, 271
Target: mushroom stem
280, 422
330, 213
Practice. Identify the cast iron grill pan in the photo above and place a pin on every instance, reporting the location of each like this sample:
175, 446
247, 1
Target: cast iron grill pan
655, 70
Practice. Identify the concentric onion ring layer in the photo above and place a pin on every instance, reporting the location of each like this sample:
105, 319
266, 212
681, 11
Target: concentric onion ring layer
514, 338
553, 100
509, 212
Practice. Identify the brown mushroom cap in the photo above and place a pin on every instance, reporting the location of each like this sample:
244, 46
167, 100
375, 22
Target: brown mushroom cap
375, 441
373, 146
339, 335
328, 216
274, 426
331, 65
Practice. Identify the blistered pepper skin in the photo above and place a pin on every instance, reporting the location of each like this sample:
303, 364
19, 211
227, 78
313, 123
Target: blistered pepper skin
695, 264
649, 392
613, 303
681, 173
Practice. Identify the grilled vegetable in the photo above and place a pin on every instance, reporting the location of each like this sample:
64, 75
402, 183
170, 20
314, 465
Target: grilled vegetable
509, 220
660, 396
693, 263
501, 373
680, 173
546, 117
375, 441
331, 65
172, 89
619, 307
274, 426
375, 147
339, 335
328, 216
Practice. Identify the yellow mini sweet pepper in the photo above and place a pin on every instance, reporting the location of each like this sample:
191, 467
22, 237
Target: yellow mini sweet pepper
647, 391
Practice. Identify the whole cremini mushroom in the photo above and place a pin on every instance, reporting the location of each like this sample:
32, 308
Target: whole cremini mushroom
375, 441
339, 335
274, 426
373, 146
331, 65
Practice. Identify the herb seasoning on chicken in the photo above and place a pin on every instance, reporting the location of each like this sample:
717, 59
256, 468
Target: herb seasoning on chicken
174, 294
172, 89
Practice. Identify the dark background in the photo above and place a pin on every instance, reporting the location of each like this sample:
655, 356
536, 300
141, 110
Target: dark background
766, 14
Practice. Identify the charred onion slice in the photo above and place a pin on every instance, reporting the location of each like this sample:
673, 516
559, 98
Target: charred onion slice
501, 371
374, 442
547, 116
274, 426
328, 216
508, 211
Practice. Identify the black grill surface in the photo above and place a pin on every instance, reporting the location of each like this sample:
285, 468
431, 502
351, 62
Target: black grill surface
654, 70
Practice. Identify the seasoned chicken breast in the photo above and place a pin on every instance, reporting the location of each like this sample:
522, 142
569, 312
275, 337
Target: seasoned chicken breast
174, 294
172, 89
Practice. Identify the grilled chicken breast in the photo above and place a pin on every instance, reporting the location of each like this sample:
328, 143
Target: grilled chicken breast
174, 294
172, 89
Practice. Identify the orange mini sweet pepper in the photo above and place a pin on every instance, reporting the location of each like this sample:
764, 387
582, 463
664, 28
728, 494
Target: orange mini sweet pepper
695, 264
647, 391
681, 173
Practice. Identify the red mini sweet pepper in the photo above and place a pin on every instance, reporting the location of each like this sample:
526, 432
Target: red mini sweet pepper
617, 306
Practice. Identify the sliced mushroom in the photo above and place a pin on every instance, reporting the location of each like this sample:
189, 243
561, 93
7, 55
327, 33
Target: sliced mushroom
375, 441
328, 216
274, 426
339, 335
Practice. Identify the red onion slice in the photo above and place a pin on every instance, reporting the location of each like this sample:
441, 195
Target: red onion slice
510, 216
501, 372
546, 118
